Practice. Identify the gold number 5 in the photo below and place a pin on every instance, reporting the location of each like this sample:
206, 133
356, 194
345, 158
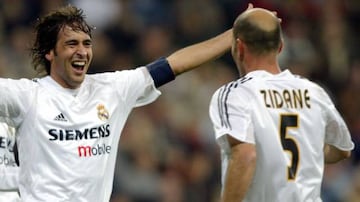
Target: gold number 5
289, 144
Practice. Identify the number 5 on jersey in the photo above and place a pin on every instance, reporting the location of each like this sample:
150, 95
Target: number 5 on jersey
289, 144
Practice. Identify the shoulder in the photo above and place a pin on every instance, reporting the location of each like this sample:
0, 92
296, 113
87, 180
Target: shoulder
318, 91
235, 91
225, 89
23, 84
116, 76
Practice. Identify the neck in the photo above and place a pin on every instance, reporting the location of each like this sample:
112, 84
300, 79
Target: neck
267, 63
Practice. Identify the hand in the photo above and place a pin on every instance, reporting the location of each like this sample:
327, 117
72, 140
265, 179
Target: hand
275, 13
251, 6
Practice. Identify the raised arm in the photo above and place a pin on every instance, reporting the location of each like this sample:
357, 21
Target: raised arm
192, 56
165, 70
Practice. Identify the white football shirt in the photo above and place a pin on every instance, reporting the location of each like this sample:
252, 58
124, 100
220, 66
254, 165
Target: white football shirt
9, 170
68, 139
289, 119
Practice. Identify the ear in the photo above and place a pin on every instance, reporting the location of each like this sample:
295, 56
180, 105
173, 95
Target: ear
240, 46
281, 46
49, 56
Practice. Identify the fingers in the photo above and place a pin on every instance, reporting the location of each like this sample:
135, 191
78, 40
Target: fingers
275, 13
251, 6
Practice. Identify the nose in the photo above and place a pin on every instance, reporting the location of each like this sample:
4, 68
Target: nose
81, 51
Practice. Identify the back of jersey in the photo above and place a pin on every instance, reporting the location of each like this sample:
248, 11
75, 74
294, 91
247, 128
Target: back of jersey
289, 128
286, 117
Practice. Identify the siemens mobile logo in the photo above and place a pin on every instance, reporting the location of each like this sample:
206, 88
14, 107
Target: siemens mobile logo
87, 133
102, 131
84, 151
7, 152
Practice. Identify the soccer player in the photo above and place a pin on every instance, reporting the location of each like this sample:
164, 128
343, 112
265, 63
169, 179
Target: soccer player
275, 129
68, 122
9, 169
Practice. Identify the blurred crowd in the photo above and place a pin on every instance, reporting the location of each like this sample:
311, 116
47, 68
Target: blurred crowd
167, 152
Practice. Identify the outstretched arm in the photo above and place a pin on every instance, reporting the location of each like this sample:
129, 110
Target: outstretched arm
193, 56
190, 57
165, 70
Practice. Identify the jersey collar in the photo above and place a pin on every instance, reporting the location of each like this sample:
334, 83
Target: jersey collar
48, 81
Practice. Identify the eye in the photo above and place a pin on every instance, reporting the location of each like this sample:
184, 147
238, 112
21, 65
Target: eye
71, 43
87, 43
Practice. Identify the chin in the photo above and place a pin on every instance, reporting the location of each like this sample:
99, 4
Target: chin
75, 83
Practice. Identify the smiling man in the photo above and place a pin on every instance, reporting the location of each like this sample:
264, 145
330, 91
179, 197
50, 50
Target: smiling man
71, 57
68, 122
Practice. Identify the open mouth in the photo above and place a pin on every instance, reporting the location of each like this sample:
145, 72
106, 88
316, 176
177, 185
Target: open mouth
78, 65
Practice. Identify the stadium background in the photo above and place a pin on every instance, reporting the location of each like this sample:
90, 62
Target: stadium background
167, 152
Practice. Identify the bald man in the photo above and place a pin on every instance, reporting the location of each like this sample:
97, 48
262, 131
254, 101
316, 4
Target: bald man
275, 129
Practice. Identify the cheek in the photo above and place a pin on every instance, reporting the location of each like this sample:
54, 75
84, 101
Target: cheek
90, 54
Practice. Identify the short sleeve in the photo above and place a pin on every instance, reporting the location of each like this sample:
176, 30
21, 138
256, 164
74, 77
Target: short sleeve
150, 92
16, 99
230, 114
136, 87
336, 131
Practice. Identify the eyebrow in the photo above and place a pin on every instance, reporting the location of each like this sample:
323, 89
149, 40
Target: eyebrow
77, 41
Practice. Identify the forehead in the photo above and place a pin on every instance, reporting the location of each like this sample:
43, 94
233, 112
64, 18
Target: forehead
67, 33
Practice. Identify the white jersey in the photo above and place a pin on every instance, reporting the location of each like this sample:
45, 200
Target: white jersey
289, 119
68, 139
9, 170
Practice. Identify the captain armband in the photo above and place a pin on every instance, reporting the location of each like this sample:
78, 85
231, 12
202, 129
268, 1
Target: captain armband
160, 71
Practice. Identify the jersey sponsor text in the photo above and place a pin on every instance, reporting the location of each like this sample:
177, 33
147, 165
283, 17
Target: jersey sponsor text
87, 151
87, 133
6, 143
4, 160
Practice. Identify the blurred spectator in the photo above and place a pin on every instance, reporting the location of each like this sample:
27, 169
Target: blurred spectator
353, 191
99, 13
334, 34
349, 101
198, 19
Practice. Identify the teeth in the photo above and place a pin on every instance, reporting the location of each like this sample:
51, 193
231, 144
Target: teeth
79, 63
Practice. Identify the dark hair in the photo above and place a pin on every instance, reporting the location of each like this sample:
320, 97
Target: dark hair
258, 40
47, 29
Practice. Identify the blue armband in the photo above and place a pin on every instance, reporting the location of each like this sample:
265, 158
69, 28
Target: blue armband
160, 71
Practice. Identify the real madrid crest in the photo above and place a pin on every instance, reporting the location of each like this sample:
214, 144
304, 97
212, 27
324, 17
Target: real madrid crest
102, 113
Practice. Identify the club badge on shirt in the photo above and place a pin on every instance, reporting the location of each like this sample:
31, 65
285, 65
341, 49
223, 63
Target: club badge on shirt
103, 113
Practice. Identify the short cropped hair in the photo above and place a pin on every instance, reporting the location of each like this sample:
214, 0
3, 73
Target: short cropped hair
47, 29
258, 40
